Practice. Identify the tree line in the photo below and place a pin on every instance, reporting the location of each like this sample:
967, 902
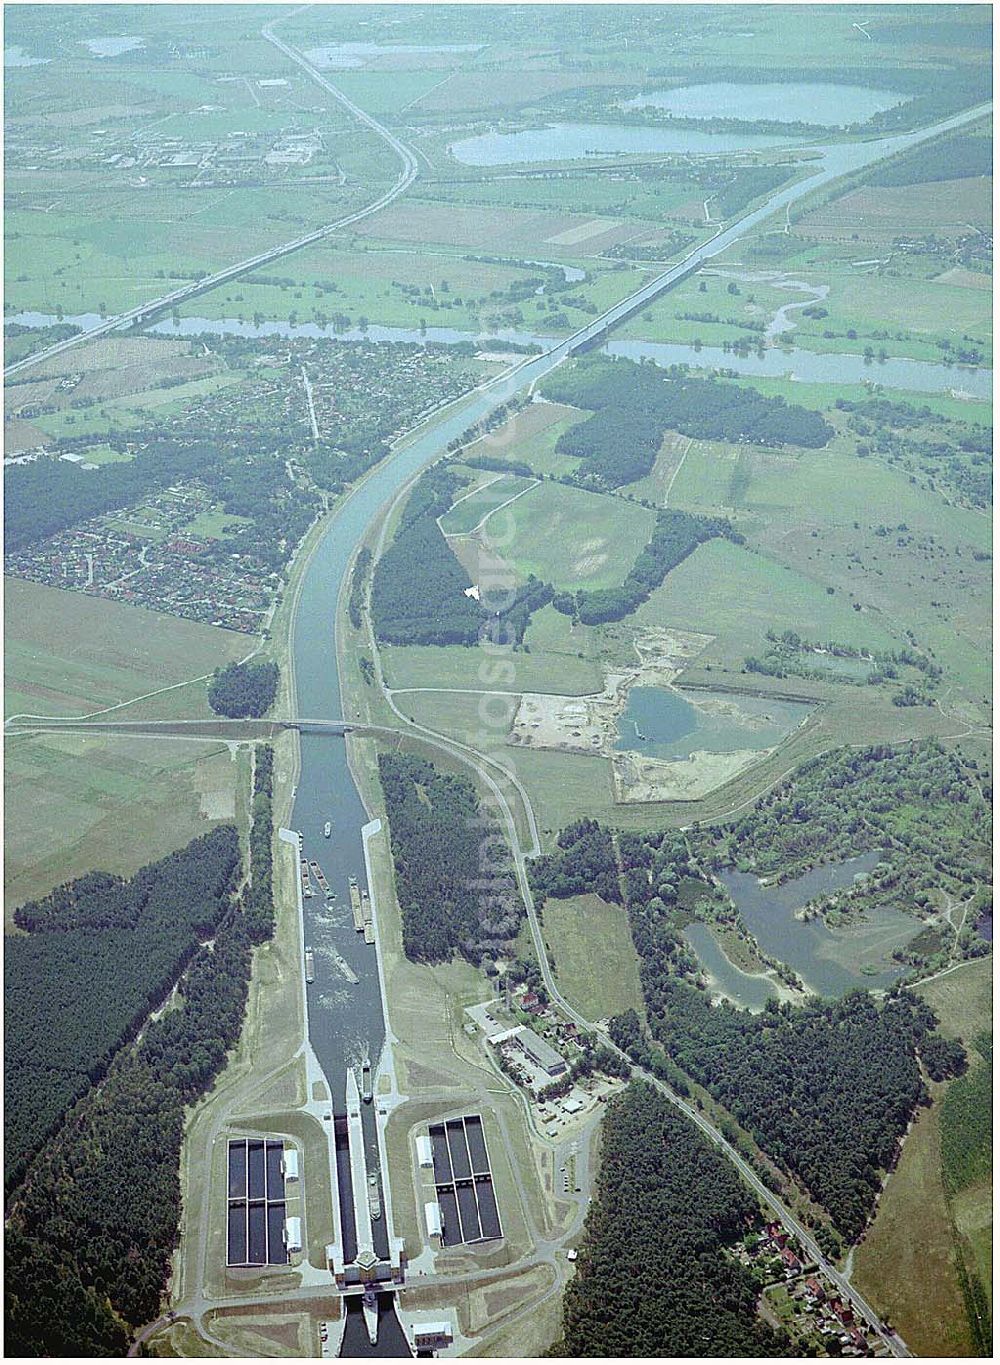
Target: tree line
675, 536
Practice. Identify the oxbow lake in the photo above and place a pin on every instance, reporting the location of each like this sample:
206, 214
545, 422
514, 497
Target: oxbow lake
916, 376
820, 102
573, 141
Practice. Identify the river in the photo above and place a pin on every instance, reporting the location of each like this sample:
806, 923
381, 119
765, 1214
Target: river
796, 363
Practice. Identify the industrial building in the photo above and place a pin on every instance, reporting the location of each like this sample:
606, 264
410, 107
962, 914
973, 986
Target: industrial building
425, 1152
463, 1181
290, 1163
293, 1235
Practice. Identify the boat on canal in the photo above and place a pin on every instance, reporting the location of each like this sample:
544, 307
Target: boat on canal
310, 967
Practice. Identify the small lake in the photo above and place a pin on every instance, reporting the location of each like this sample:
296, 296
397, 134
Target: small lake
916, 376
113, 47
571, 141
751, 992
662, 722
17, 56
821, 102
830, 961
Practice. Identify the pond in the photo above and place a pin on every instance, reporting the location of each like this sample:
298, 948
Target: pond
751, 992
664, 723
17, 56
113, 47
820, 102
571, 141
830, 961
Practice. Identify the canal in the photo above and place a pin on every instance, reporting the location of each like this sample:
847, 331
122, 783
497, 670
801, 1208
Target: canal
346, 1020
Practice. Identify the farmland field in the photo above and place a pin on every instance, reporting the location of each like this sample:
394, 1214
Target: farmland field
596, 964
68, 654
576, 539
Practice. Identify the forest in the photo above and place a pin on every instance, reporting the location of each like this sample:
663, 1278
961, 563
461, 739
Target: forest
92, 1228
827, 1089
653, 1279
454, 879
585, 863
133, 937
418, 589
959, 156
246, 689
635, 403
675, 536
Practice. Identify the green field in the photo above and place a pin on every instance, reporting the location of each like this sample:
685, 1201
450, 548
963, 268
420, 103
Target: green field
470, 511
729, 591
596, 963
574, 539
68, 654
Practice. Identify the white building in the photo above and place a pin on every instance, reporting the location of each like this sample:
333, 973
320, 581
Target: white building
293, 1234
432, 1216
428, 1335
425, 1150
290, 1163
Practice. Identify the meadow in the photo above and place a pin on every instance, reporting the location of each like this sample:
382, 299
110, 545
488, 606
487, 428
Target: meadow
575, 539
595, 960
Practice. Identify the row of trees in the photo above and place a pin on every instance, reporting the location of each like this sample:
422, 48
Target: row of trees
454, 880
247, 689
102, 953
653, 1278
675, 536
